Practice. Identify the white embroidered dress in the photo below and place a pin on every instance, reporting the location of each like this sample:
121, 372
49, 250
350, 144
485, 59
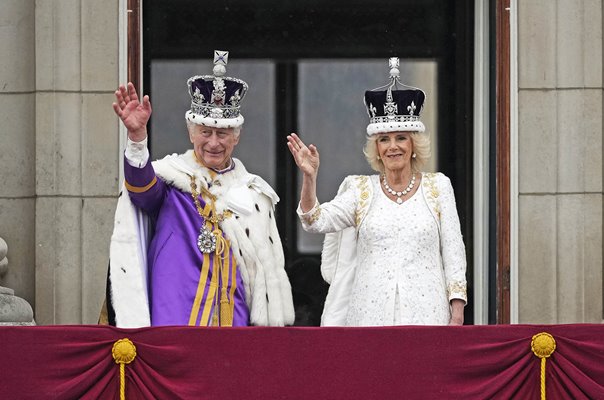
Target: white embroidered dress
402, 277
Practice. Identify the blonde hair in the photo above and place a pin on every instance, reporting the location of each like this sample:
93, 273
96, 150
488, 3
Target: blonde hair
421, 147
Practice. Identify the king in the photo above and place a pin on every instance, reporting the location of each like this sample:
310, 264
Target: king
214, 257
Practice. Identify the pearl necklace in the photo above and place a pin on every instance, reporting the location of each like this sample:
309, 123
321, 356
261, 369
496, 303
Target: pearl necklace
399, 194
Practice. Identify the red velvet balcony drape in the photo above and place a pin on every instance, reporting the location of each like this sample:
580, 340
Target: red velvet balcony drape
469, 362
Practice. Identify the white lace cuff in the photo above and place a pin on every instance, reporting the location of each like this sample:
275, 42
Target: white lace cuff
137, 153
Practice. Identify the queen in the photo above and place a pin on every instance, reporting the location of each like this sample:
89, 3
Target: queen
393, 253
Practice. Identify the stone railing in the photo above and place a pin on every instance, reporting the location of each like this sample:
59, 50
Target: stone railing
13, 310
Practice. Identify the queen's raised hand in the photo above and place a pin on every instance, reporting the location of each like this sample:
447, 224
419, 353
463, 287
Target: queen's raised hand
306, 157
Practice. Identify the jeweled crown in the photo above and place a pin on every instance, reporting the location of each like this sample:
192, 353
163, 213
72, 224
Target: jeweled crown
391, 109
216, 99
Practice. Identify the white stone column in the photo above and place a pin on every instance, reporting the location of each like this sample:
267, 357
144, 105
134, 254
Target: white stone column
560, 161
17, 142
76, 152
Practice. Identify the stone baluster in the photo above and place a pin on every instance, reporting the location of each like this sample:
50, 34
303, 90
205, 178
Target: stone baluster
13, 310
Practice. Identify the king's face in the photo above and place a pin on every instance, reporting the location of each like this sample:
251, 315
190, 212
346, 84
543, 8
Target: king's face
213, 146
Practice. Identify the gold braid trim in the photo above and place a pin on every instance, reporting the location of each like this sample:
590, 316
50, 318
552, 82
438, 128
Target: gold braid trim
211, 301
233, 262
226, 313
201, 287
140, 189
225, 307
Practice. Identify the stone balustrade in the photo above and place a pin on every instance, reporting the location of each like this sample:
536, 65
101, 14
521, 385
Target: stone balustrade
13, 310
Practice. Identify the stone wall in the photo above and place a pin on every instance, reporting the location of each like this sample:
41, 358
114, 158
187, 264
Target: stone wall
17, 143
76, 155
60, 165
560, 160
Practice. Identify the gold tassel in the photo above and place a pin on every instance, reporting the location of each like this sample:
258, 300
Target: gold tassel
226, 314
215, 317
222, 251
123, 352
543, 346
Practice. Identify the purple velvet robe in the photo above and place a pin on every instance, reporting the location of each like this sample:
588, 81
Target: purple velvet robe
174, 260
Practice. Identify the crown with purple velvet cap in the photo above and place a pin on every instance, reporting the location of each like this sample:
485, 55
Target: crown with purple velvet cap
216, 99
392, 109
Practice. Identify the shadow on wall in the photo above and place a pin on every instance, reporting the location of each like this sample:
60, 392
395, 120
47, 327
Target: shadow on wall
309, 290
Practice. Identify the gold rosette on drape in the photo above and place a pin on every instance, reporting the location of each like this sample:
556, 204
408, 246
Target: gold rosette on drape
124, 352
543, 345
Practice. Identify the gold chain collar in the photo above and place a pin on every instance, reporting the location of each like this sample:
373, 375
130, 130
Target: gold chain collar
210, 215
211, 240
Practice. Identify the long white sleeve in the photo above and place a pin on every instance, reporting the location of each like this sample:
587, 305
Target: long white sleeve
452, 247
334, 215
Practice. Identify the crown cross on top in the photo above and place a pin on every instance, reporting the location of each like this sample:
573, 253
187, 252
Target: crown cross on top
221, 57
393, 64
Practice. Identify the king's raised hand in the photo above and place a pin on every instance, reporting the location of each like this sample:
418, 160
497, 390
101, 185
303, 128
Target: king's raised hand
133, 113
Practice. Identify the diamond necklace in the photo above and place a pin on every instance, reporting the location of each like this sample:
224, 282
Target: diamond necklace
399, 194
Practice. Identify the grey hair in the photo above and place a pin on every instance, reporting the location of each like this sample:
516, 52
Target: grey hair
192, 125
421, 147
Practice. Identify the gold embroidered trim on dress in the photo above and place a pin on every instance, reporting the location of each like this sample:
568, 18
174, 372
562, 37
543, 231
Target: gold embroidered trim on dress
432, 192
362, 184
310, 219
457, 288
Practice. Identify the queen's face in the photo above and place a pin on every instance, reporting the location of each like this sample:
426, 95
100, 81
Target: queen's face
213, 146
395, 150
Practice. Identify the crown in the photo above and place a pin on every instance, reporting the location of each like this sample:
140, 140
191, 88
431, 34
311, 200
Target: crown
394, 110
216, 99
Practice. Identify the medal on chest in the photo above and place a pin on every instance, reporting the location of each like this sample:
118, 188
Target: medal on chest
210, 235
206, 241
